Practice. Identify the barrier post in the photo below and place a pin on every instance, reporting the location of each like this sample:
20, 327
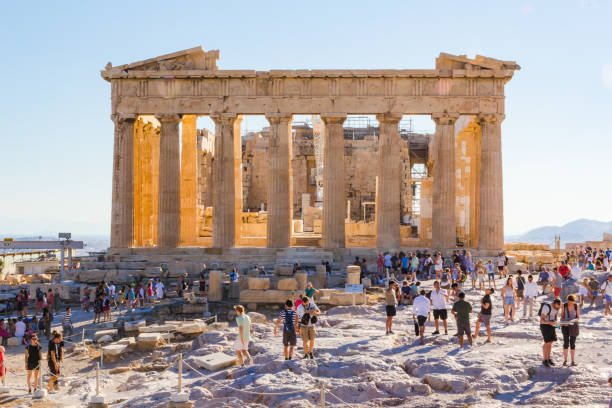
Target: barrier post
322, 395
101, 357
180, 396
40, 392
83, 336
97, 400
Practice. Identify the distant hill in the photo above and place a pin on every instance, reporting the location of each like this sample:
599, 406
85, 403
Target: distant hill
576, 231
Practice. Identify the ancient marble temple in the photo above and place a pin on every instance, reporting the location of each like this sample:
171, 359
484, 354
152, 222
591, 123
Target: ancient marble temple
157, 165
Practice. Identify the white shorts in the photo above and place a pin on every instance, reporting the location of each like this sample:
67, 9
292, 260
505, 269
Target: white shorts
238, 346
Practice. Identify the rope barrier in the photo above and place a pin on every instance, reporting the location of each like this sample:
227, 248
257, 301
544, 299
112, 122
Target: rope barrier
247, 391
340, 399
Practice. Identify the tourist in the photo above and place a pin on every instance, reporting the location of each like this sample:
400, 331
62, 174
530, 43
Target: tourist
55, 356
159, 290
4, 333
287, 316
12, 327
491, 273
543, 279
509, 296
39, 300
406, 294
405, 266
454, 293
557, 282
593, 290
98, 309
570, 314
520, 287
472, 270
305, 319
445, 279
241, 345
20, 328
57, 301
390, 303
67, 323
456, 273
484, 317
45, 322
3, 369
548, 320
122, 295
310, 291
387, 263
106, 308
111, 293
462, 309
421, 306
438, 298
575, 272
529, 295
480, 272
33, 357
85, 301
438, 266
501, 263
606, 294
583, 291
379, 263
415, 263
564, 270
50, 300
19, 304
181, 286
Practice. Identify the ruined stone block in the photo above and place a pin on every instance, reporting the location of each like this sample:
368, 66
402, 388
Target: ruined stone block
287, 284
259, 283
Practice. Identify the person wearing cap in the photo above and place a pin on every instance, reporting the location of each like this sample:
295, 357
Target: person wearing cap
241, 345
390, 303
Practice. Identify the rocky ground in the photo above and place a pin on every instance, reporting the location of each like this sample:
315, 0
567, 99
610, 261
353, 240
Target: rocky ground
359, 365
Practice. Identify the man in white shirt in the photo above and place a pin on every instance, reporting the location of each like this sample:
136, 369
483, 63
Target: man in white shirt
421, 307
576, 272
438, 299
111, 293
606, 294
20, 328
159, 290
530, 292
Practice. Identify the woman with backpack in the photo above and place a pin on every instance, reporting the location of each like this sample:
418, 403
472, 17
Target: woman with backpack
570, 314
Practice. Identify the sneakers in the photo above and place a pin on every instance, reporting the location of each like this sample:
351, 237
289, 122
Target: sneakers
545, 363
312, 355
573, 364
391, 332
551, 362
565, 364
436, 332
446, 332
305, 357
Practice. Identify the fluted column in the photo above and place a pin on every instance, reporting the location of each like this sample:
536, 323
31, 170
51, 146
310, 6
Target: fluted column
491, 235
333, 181
280, 199
444, 229
122, 213
389, 182
169, 218
189, 180
227, 185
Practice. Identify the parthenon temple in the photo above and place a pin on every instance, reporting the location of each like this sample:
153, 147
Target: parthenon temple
350, 173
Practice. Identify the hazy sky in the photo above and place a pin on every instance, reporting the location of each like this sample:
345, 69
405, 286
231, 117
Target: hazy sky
56, 138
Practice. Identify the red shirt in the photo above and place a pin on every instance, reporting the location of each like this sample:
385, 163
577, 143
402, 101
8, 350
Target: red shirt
564, 270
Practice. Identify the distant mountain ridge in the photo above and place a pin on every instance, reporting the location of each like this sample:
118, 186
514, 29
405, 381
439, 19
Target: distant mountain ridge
575, 231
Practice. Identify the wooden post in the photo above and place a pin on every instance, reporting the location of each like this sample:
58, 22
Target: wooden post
83, 336
97, 378
101, 357
180, 373
322, 395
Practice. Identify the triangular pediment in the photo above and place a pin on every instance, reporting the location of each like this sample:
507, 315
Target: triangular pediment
190, 59
450, 61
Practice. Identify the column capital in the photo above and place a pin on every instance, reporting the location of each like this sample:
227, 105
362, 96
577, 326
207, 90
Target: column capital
333, 118
168, 117
491, 118
444, 118
279, 117
389, 117
225, 118
123, 117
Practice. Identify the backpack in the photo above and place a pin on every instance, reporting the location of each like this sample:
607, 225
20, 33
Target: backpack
289, 319
542, 307
39, 296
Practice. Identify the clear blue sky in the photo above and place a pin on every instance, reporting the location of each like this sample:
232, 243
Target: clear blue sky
56, 139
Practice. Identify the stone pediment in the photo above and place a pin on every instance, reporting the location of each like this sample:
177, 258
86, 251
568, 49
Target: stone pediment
450, 61
190, 59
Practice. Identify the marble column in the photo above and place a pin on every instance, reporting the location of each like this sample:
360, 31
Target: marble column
122, 214
169, 218
280, 200
333, 181
491, 234
189, 181
227, 184
444, 229
389, 182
